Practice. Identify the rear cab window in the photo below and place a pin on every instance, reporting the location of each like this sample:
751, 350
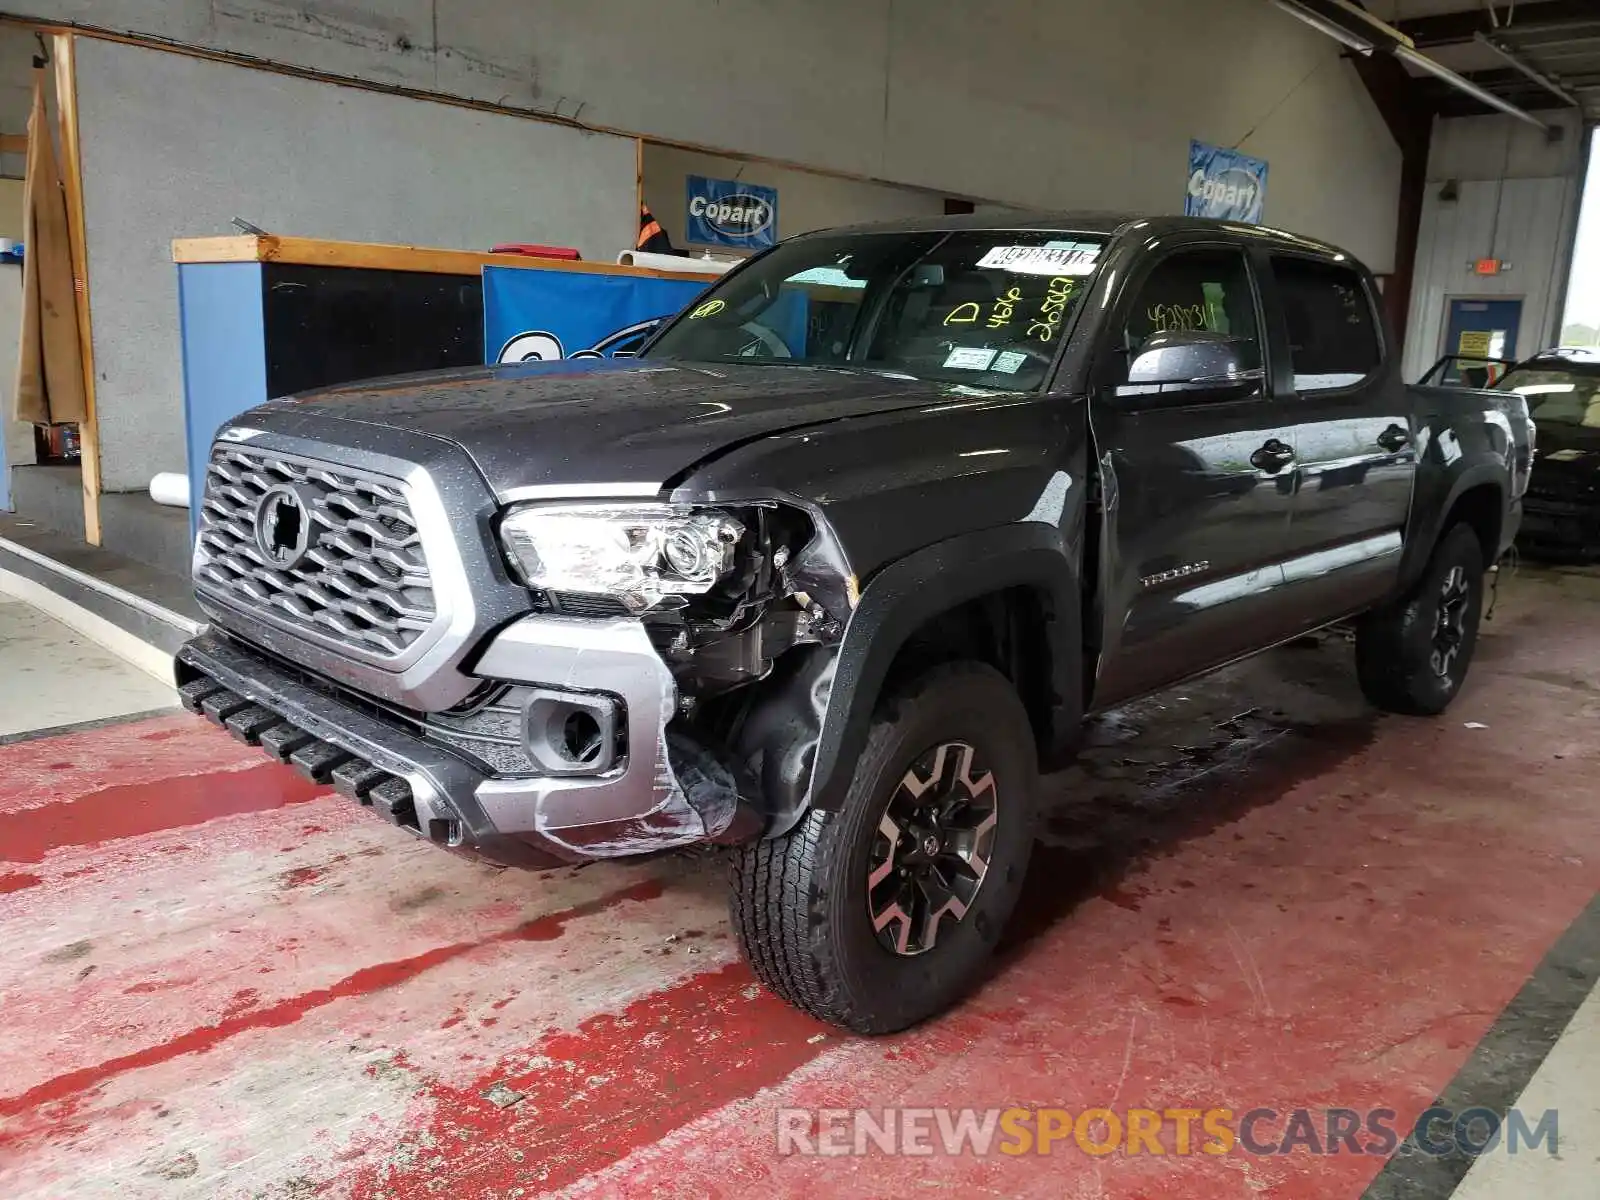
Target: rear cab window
1331, 326
1556, 393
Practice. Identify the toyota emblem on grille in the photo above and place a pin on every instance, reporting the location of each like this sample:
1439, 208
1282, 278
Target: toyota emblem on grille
283, 526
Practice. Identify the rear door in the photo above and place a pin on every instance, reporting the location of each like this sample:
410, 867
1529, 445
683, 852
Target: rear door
1339, 386
1197, 484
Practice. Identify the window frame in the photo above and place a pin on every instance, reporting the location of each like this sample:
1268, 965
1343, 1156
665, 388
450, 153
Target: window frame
1112, 358
1283, 384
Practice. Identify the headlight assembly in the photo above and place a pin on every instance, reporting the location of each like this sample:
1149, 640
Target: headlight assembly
637, 553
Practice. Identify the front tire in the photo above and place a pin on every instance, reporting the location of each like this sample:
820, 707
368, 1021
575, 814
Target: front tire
1412, 656
884, 913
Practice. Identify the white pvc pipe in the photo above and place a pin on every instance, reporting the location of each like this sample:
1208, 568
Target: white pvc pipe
675, 263
169, 487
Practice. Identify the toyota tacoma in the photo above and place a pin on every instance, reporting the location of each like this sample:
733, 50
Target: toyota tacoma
837, 564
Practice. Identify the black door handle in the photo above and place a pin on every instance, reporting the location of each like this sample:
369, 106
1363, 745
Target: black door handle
1394, 439
1272, 457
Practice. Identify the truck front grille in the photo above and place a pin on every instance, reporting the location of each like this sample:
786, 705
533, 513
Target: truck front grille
325, 551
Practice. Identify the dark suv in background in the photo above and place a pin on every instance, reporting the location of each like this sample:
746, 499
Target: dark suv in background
1562, 507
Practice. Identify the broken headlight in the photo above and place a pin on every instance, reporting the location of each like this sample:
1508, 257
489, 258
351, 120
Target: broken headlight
637, 553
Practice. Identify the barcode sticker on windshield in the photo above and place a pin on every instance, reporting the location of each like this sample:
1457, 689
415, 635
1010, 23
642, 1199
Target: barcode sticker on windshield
1009, 361
970, 358
1067, 258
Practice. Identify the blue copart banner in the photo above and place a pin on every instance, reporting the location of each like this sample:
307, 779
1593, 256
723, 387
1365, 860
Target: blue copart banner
1225, 184
533, 315
725, 212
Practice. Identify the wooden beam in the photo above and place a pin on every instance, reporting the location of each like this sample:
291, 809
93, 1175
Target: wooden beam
1408, 111
13, 143
638, 174
380, 257
62, 55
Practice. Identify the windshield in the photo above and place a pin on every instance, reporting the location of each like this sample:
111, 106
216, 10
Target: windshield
1557, 396
985, 308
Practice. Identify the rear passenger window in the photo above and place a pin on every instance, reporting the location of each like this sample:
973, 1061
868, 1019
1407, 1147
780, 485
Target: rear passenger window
1333, 336
1196, 290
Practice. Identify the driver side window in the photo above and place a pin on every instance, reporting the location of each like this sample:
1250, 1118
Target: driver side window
1195, 290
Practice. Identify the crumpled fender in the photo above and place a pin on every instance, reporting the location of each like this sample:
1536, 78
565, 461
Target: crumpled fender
908, 593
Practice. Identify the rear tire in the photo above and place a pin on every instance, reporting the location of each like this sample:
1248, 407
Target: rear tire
833, 916
1412, 655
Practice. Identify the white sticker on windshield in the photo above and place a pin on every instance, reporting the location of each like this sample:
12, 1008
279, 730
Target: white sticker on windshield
970, 358
1072, 258
1009, 361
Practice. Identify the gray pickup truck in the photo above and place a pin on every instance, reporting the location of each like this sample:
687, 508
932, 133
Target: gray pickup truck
835, 565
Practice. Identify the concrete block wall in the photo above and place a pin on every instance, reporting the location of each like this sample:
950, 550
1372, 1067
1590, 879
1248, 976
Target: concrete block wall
1072, 104
176, 146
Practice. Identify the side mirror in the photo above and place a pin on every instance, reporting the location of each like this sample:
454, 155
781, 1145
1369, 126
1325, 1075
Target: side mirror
1195, 360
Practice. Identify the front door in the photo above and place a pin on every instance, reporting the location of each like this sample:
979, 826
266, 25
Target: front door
1197, 486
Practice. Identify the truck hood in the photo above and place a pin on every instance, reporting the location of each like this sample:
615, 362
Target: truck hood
611, 421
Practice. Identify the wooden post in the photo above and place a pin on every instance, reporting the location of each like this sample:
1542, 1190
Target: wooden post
638, 181
61, 52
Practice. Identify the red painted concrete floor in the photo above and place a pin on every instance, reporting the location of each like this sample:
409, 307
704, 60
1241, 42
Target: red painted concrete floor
220, 982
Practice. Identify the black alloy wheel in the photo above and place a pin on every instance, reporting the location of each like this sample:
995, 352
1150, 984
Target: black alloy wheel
884, 911
1450, 626
933, 847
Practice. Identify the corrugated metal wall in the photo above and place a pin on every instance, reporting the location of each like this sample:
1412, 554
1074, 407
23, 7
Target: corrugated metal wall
1527, 222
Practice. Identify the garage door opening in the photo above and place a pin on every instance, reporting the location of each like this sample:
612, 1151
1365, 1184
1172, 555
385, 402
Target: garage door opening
1580, 326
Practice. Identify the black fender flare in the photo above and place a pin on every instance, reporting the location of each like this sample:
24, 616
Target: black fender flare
1429, 516
903, 596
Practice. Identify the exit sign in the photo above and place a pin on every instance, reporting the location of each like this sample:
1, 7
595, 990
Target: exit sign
1488, 266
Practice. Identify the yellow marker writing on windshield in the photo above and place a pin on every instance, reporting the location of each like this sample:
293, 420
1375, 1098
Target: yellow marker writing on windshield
1003, 307
709, 309
963, 314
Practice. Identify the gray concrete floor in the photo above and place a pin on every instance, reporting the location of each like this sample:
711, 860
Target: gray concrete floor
52, 675
1569, 1083
1147, 768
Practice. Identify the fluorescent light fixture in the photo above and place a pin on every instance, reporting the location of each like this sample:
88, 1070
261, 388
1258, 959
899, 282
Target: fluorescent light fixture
1386, 37
1342, 36
1539, 77
1460, 83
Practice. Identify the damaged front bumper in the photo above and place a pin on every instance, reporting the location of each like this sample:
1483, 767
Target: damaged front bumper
650, 787
1560, 528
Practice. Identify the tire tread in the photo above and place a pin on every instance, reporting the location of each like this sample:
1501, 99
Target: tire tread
776, 898
1387, 674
